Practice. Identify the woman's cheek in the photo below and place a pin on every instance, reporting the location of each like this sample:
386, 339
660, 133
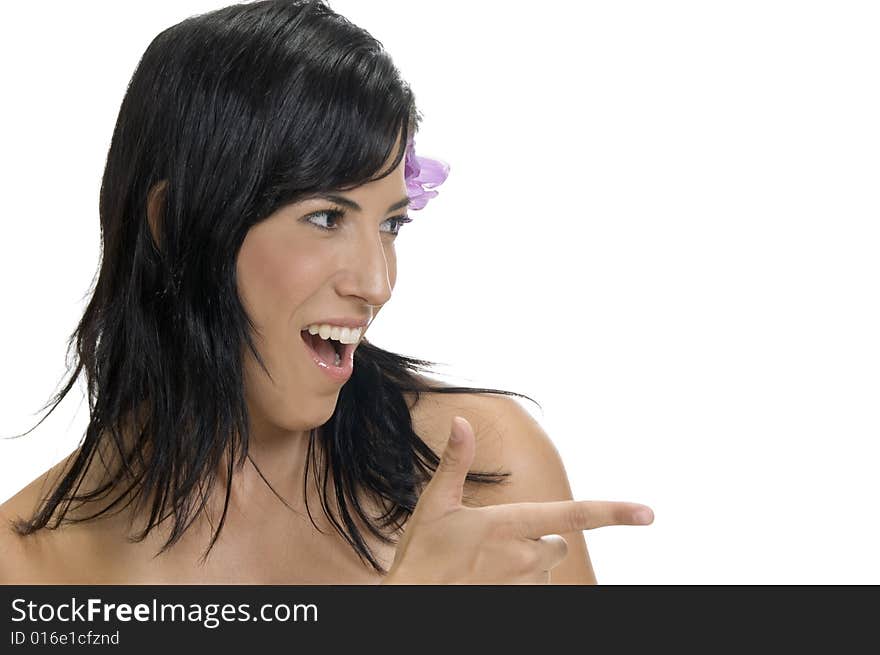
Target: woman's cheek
282, 271
302, 273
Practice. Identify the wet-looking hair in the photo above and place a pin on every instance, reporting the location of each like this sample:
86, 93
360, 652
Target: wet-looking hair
241, 111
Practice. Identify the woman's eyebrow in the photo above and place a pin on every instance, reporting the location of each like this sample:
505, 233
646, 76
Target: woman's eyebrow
342, 200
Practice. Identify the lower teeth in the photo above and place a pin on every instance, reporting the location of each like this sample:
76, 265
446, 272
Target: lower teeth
337, 361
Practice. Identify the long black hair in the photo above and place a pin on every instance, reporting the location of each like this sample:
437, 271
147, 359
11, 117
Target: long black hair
237, 112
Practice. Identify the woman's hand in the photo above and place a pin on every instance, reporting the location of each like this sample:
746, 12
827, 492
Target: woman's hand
518, 543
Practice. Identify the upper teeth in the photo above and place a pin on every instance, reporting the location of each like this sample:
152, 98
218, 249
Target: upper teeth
343, 335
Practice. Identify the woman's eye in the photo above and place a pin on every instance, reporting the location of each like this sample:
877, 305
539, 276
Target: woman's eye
327, 215
326, 220
398, 221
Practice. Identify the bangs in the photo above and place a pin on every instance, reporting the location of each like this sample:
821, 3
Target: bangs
345, 126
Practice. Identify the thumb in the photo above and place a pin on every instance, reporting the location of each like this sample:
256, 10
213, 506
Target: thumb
444, 490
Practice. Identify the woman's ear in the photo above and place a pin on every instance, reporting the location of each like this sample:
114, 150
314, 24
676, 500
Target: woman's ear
156, 210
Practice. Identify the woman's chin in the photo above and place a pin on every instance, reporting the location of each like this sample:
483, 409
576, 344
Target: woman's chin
315, 415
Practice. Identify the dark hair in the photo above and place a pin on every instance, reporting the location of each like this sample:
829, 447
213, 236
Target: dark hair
241, 111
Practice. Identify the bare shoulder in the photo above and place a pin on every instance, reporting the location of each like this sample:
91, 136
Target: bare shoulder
14, 564
17, 565
26, 558
508, 439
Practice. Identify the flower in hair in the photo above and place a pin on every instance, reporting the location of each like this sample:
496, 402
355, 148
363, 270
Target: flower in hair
422, 174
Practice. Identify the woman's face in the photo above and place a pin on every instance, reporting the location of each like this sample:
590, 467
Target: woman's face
292, 274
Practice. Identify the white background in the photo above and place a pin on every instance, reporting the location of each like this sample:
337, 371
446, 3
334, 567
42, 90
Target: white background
661, 223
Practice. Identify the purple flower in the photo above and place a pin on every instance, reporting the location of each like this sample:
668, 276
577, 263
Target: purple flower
422, 174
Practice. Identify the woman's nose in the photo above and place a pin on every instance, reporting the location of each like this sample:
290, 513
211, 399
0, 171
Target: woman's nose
368, 272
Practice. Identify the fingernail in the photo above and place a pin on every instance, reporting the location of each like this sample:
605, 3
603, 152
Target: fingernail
643, 516
457, 427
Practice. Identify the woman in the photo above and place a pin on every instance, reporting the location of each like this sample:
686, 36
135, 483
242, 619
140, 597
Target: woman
261, 166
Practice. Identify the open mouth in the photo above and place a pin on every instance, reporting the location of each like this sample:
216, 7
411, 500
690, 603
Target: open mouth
329, 351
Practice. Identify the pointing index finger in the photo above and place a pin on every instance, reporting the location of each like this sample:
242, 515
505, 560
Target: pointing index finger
534, 520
